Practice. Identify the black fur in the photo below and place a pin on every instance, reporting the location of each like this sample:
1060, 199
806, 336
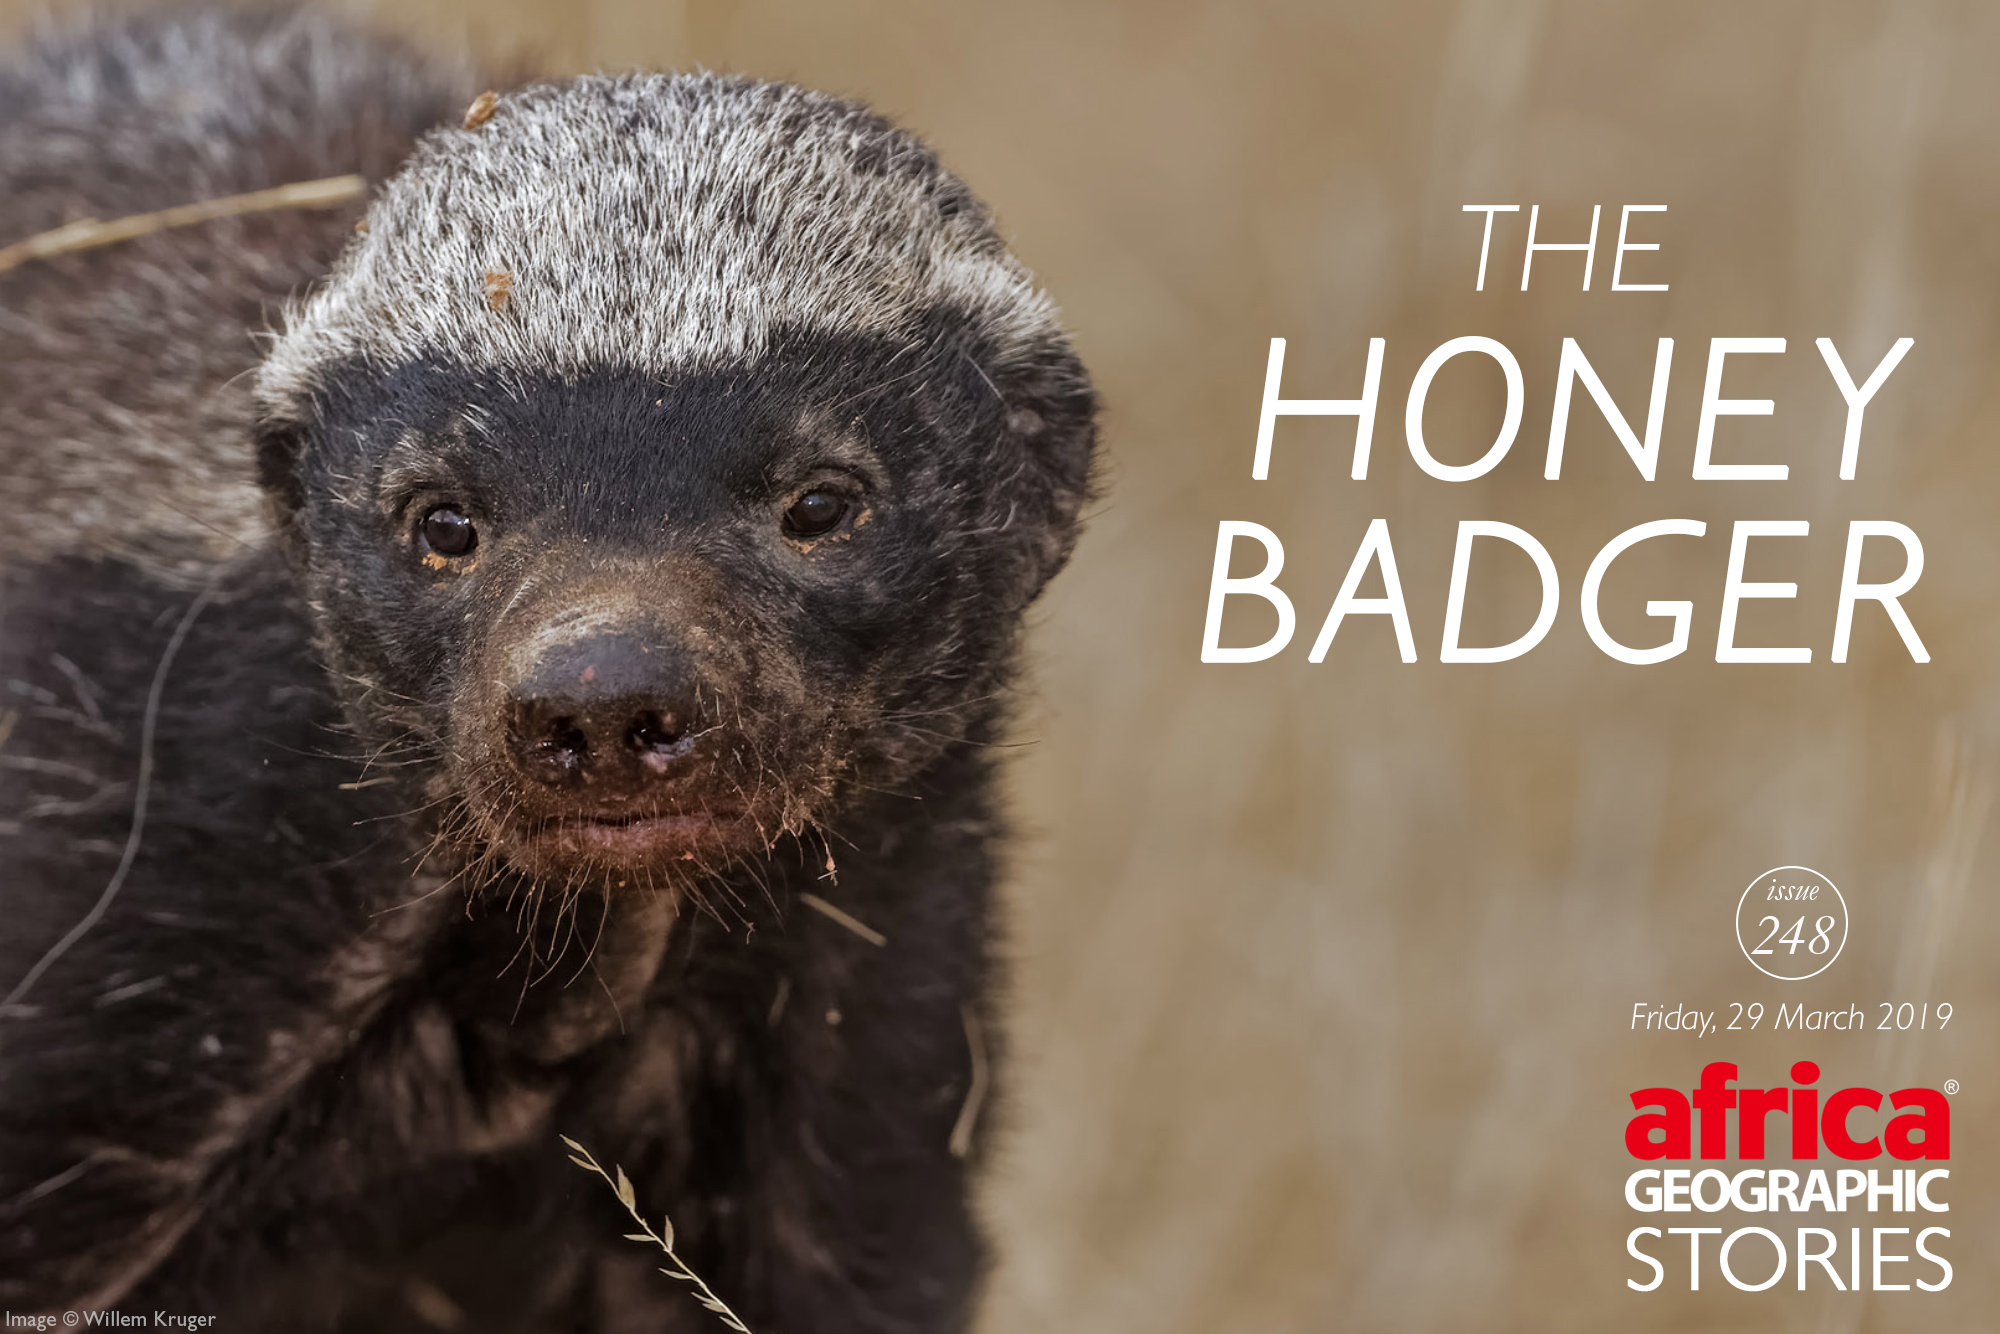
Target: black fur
309, 1069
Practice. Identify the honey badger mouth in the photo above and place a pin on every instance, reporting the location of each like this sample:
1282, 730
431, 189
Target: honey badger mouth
631, 842
689, 816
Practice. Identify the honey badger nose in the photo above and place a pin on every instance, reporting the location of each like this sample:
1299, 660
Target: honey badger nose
608, 710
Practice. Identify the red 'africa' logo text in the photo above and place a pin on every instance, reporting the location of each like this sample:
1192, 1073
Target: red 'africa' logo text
1924, 1131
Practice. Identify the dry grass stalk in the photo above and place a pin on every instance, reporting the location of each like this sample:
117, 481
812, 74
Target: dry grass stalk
90, 233
621, 1185
845, 918
967, 1123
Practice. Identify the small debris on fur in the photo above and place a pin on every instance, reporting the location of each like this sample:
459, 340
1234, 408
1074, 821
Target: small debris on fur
432, 1305
777, 1010
481, 109
846, 919
499, 288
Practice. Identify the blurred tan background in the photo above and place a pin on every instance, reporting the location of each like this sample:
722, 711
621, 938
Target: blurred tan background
1323, 972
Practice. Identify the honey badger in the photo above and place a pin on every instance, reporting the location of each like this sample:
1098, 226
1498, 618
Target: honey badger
551, 693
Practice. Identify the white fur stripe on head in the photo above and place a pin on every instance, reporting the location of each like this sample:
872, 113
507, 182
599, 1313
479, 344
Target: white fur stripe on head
658, 223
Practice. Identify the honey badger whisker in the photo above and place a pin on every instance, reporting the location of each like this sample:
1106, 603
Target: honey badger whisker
958, 708
590, 955
565, 912
406, 813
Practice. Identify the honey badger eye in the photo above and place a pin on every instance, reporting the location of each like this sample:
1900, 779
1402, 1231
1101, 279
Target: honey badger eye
814, 513
448, 532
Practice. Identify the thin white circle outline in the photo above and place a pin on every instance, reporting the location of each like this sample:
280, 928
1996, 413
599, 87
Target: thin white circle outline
1845, 923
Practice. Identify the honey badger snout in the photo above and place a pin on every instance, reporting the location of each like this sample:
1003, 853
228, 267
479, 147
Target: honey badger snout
601, 725
612, 710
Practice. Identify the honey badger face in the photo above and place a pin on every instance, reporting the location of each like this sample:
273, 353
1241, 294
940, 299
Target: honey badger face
670, 461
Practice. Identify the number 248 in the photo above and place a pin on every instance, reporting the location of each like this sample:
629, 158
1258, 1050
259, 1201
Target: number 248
1821, 942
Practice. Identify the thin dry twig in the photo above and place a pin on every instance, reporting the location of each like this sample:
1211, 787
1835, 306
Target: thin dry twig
90, 233
967, 1123
142, 789
621, 1185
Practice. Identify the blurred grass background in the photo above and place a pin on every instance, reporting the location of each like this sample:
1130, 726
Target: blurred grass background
1323, 972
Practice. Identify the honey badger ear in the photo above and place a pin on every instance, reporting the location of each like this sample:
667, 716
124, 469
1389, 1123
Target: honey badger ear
280, 446
1051, 414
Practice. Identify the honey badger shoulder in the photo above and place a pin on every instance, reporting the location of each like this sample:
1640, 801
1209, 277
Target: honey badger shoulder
125, 374
126, 489
661, 476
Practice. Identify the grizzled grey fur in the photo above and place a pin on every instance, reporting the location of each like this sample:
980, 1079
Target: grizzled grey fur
125, 379
550, 692
658, 222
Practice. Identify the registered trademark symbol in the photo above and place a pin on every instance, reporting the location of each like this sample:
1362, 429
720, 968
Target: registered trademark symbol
1951, 1086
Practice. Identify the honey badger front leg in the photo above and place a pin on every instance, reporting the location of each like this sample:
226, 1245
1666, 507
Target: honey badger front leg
138, 1053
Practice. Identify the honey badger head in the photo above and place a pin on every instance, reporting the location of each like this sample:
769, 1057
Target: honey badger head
669, 460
